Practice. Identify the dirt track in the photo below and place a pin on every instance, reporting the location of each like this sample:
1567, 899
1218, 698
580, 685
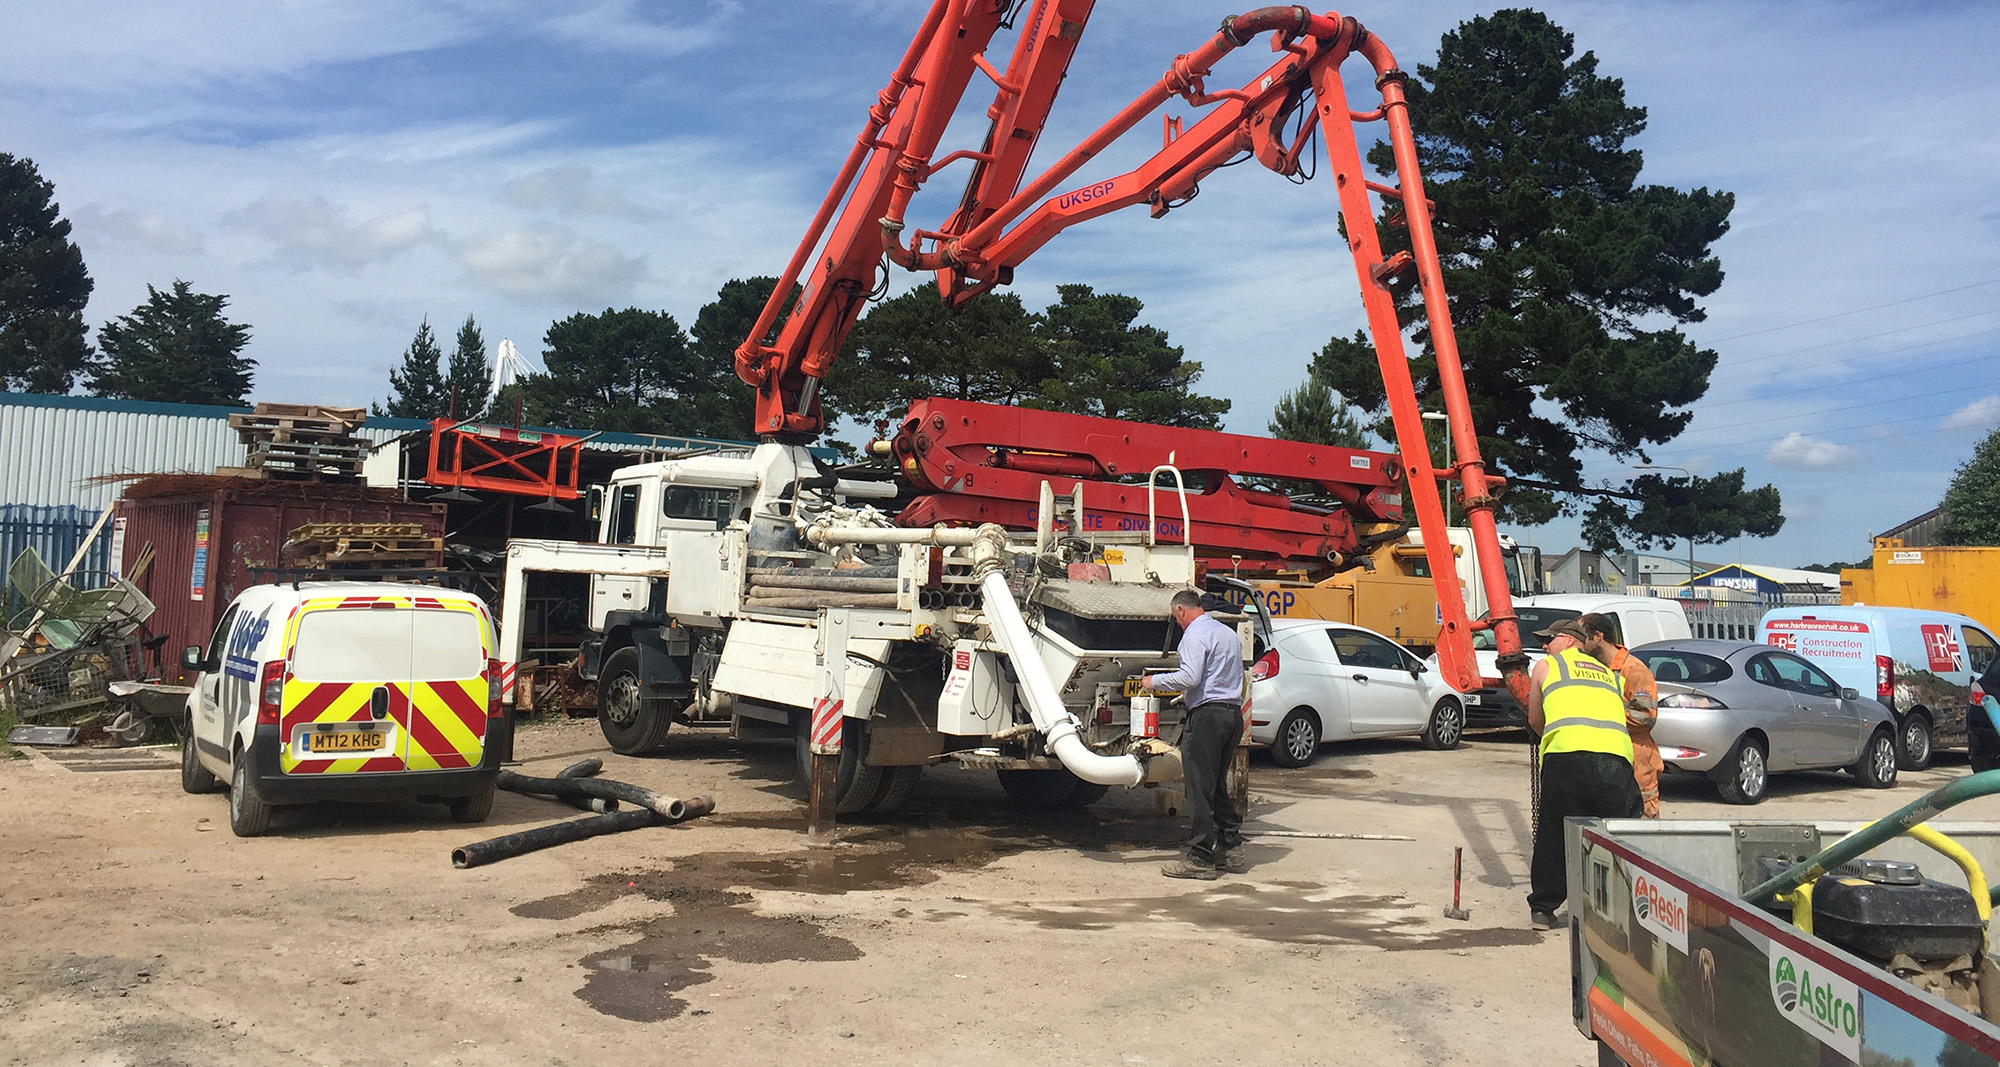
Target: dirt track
138, 930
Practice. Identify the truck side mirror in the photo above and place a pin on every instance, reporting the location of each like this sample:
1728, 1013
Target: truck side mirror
191, 658
593, 507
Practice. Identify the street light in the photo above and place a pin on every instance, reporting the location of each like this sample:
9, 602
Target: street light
1690, 476
1439, 416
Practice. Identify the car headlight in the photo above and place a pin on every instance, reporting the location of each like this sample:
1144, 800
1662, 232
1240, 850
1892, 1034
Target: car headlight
1693, 701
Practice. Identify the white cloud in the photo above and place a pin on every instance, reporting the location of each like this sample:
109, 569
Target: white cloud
1801, 452
1979, 414
551, 263
312, 233
571, 190
614, 26
146, 229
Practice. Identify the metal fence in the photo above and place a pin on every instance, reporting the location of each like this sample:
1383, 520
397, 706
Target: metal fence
54, 532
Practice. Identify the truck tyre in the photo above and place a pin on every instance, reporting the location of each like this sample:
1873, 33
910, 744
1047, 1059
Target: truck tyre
1050, 789
633, 725
1447, 725
1914, 732
195, 778
857, 785
1876, 768
1298, 738
1743, 775
898, 785
474, 808
249, 816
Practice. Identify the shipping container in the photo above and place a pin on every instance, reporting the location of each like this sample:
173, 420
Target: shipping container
1960, 579
208, 535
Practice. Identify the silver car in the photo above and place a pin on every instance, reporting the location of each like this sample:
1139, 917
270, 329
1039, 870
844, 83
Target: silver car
1738, 712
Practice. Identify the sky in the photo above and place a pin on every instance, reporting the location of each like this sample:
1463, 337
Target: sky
345, 170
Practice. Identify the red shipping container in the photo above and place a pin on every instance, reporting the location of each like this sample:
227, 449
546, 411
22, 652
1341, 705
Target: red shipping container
208, 531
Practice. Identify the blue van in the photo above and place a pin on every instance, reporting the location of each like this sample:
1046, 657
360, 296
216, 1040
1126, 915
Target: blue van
1921, 664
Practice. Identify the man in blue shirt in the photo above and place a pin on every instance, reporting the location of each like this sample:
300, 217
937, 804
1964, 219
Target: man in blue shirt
1210, 680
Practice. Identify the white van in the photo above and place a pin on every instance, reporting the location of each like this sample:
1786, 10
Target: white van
1919, 663
1639, 619
346, 691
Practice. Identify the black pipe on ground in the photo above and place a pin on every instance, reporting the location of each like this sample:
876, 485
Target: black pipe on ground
586, 768
672, 807
480, 853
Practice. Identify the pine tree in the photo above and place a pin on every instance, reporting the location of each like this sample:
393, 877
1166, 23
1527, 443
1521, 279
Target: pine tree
418, 390
468, 377
177, 348
43, 286
1315, 414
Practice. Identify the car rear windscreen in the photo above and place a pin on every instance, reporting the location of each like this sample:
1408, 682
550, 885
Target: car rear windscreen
1684, 668
377, 645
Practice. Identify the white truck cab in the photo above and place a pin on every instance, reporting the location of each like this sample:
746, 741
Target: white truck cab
346, 691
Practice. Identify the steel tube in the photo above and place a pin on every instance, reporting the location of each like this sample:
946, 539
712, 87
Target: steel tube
831, 584
586, 768
495, 849
801, 598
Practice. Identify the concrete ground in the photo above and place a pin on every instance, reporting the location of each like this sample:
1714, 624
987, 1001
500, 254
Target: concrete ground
135, 929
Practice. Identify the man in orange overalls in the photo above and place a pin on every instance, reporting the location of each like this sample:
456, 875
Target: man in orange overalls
1642, 702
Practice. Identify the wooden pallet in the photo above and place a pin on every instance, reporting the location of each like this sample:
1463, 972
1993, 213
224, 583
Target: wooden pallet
300, 426
314, 450
409, 559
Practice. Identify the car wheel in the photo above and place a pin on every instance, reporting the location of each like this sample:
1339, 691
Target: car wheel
195, 778
1447, 725
1298, 739
633, 725
1876, 768
249, 816
1915, 735
1743, 775
474, 808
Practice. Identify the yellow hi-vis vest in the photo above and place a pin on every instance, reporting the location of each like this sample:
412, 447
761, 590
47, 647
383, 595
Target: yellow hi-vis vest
1583, 707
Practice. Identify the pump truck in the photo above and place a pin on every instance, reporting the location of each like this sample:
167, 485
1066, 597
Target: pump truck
992, 595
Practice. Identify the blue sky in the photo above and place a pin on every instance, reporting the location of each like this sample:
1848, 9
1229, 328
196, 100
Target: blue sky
343, 170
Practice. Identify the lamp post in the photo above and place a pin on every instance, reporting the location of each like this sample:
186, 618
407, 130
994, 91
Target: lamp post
1439, 416
1690, 476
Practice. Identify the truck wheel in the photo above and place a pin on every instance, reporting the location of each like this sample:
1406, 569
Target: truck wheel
1876, 768
1915, 734
856, 785
898, 785
249, 816
195, 778
1298, 739
632, 724
1447, 725
1742, 776
474, 808
1050, 789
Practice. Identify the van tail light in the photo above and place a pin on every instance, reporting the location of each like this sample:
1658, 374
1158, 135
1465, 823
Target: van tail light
1885, 680
493, 686
1265, 667
271, 693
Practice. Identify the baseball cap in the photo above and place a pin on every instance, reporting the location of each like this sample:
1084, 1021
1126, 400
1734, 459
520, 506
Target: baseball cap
1565, 628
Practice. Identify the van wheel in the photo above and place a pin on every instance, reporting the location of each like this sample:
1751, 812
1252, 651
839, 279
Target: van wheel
632, 724
1743, 775
249, 816
474, 808
1297, 742
1876, 768
1915, 734
1447, 725
195, 778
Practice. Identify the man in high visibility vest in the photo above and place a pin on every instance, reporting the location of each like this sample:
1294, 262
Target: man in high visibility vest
1642, 703
1576, 705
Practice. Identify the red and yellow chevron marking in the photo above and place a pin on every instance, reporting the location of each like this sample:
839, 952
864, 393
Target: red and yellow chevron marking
439, 725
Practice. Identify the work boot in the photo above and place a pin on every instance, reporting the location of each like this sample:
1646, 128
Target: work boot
1542, 920
1232, 861
1186, 868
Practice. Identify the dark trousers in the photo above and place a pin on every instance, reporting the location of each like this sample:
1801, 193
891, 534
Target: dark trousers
1207, 739
1595, 784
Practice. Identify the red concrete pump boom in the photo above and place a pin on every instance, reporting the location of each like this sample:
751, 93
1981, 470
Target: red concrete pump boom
1000, 222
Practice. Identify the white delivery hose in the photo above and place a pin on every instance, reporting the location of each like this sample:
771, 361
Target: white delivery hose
1045, 706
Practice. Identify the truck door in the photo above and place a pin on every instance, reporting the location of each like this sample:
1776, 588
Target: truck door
622, 526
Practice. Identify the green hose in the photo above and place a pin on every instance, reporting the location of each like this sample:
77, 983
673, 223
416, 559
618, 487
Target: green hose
1920, 810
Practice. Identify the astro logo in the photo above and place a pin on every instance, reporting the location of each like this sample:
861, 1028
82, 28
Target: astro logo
1662, 909
1821, 1005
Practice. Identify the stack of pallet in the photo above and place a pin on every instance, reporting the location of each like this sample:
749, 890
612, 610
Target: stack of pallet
301, 442
362, 546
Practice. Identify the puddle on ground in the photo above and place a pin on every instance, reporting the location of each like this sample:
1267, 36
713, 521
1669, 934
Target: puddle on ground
641, 981
1271, 914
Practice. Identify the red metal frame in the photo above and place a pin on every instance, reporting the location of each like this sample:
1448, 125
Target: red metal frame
502, 459
1000, 222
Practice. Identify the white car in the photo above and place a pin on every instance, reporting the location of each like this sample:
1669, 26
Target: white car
1325, 681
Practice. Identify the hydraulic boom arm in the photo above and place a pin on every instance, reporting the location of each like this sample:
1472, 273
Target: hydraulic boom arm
1000, 222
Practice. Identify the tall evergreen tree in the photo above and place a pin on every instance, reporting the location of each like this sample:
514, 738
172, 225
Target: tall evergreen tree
1972, 503
721, 325
176, 347
468, 377
1559, 264
417, 390
1103, 364
916, 346
1315, 414
627, 370
43, 286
